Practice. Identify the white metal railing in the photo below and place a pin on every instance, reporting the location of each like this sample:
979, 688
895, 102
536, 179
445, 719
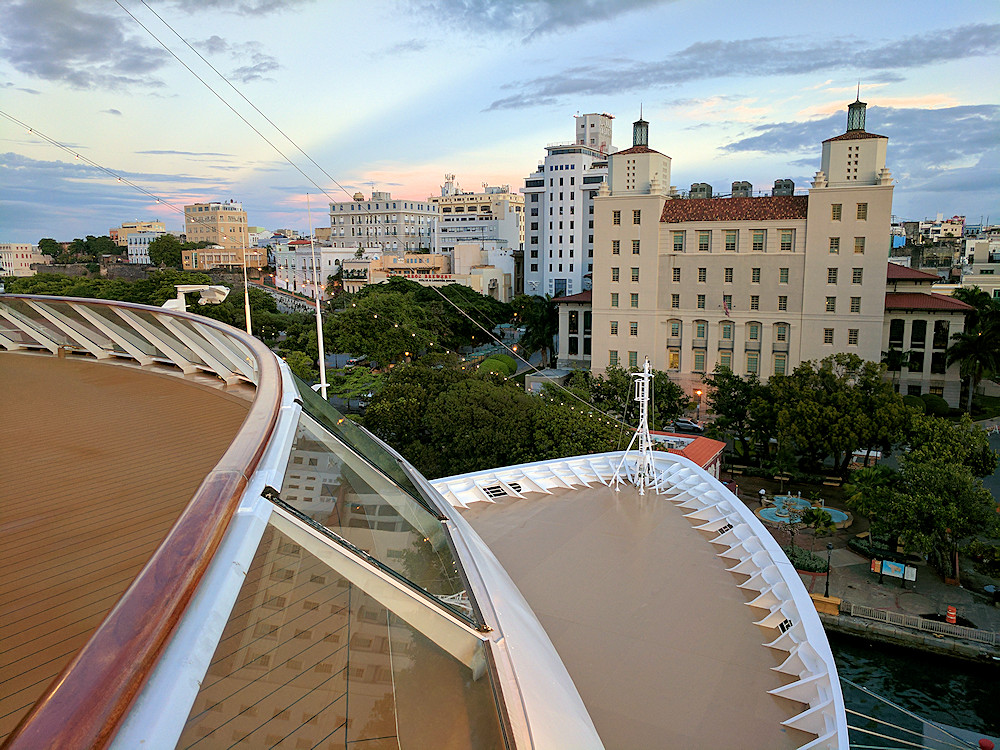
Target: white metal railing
988, 637
119, 330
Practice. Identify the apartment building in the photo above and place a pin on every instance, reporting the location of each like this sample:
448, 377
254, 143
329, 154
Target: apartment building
121, 233
137, 251
559, 201
383, 224
758, 284
16, 258
225, 226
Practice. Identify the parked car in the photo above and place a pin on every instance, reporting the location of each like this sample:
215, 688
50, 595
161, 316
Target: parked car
688, 425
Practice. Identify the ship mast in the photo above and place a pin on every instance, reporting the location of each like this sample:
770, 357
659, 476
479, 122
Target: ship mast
645, 470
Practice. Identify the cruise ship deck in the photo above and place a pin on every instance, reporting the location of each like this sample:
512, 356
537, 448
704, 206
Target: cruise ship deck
97, 462
199, 551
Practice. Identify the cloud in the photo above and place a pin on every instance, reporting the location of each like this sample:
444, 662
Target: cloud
242, 7
116, 112
70, 43
171, 152
762, 56
10, 85
530, 17
410, 45
215, 44
257, 69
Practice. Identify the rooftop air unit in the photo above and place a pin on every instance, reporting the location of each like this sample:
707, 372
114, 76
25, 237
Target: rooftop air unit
783, 187
701, 190
742, 189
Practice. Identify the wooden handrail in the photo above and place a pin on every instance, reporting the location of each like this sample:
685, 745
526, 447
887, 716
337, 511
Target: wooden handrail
86, 704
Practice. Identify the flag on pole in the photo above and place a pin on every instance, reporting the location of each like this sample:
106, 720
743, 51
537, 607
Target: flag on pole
725, 306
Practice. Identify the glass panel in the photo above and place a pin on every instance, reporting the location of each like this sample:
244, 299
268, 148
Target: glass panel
326, 481
124, 329
168, 338
307, 659
31, 320
324, 413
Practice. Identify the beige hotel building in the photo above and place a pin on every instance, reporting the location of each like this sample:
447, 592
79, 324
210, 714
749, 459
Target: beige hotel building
758, 284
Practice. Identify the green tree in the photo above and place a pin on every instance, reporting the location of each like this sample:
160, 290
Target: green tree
730, 397
302, 365
48, 246
165, 250
540, 318
354, 383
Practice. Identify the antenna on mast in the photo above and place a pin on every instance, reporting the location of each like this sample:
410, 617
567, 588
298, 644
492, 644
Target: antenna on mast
645, 469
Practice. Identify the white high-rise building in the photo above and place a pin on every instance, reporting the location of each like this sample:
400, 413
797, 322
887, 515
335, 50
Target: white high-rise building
559, 203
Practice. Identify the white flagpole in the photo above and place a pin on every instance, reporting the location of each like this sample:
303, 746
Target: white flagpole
319, 314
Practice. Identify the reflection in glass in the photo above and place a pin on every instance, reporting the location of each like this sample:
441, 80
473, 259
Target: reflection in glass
308, 660
326, 481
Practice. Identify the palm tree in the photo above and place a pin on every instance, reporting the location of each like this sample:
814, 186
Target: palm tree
977, 350
540, 318
895, 360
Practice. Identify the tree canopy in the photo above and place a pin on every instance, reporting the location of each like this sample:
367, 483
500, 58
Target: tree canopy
540, 318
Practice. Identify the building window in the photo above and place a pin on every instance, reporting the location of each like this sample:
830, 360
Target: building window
780, 363
862, 211
727, 331
731, 239
678, 242
918, 334
759, 236
941, 328
614, 327
859, 244
616, 247
754, 275
675, 301
836, 210
700, 329
616, 217
574, 346
701, 301
939, 363
635, 274
677, 274
534, 268
781, 332
827, 335
855, 304
857, 275
831, 276
675, 328
782, 302
896, 327
727, 302
633, 328
782, 275
726, 359
913, 390
673, 359
634, 299
728, 275
633, 359
637, 213
916, 363
614, 274
702, 275
613, 358
699, 361
835, 245
753, 363
754, 301
753, 331
787, 240
704, 241
635, 247
831, 304
614, 299
936, 390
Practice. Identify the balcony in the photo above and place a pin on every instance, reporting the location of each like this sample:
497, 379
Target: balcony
725, 344
673, 342
779, 346
751, 346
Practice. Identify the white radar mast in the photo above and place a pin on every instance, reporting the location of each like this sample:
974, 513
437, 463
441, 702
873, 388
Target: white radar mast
645, 470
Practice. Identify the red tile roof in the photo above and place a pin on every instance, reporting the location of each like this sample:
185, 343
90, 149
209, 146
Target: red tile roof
637, 150
701, 450
780, 207
854, 135
924, 301
584, 297
896, 272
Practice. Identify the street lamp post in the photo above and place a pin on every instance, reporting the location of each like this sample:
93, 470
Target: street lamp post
829, 552
697, 408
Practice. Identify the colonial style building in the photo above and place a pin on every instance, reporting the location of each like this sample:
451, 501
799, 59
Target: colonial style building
382, 224
225, 226
758, 284
16, 258
559, 200
121, 234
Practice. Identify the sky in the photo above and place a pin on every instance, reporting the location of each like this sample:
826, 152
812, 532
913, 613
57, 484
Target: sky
393, 94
